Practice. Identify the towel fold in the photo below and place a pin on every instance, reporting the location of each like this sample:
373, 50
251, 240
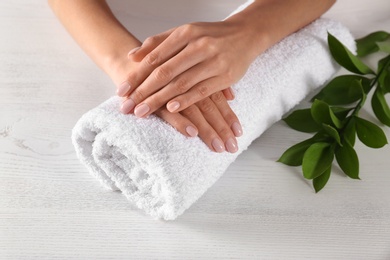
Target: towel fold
163, 172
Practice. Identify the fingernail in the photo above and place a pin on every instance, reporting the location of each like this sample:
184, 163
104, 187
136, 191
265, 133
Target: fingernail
173, 106
218, 145
123, 89
191, 131
237, 129
141, 110
231, 145
132, 51
127, 106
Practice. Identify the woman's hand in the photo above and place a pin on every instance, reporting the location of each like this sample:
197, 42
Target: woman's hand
211, 118
185, 65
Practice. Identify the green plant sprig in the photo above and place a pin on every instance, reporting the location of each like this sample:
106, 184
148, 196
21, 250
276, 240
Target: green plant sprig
334, 113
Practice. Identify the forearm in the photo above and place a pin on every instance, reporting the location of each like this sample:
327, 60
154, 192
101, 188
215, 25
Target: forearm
269, 21
94, 27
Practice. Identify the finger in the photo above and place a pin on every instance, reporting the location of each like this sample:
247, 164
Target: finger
216, 120
148, 65
179, 122
175, 87
206, 132
127, 105
136, 77
197, 93
137, 54
230, 117
158, 50
228, 93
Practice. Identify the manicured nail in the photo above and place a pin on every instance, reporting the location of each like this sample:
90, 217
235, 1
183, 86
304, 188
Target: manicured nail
127, 106
173, 106
133, 51
123, 89
231, 145
237, 129
191, 131
218, 145
141, 110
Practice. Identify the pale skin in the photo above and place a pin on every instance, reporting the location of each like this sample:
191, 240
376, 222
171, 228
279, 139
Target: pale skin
184, 75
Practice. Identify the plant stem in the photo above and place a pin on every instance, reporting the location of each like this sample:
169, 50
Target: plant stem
363, 99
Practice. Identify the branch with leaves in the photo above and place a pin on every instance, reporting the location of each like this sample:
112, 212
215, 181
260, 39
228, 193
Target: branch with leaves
334, 114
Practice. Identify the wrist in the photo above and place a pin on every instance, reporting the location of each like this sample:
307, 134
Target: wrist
117, 67
256, 38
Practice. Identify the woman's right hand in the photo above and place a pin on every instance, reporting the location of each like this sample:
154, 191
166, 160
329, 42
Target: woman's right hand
211, 119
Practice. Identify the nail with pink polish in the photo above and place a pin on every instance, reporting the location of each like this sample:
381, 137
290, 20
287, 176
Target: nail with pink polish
141, 110
127, 106
191, 131
123, 89
231, 145
173, 106
237, 129
133, 51
218, 145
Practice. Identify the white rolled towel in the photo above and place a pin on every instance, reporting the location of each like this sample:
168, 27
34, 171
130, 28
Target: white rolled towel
163, 172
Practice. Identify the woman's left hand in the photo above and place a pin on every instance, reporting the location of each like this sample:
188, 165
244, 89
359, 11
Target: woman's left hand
186, 64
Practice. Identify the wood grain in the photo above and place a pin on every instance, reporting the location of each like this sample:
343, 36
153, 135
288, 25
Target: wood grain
50, 208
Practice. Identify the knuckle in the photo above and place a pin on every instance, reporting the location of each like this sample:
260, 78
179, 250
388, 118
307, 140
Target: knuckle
187, 29
150, 40
207, 106
219, 62
181, 85
155, 101
131, 78
218, 97
152, 59
230, 118
224, 133
162, 73
138, 95
190, 111
229, 115
208, 44
175, 122
202, 90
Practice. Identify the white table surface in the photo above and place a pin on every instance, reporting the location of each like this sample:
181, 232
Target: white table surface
51, 208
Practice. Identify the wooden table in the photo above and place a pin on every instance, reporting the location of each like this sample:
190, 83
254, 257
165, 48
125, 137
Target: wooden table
51, 208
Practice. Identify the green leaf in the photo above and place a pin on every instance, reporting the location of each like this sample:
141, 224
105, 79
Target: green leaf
380, 107
345, 58
348, 160
384, 46
370, 134
341, 112
301, 120
293, 156
320, 181
384, 74
367, 44
349, 133
343, 90
383, 62
322, 114
332, 132
317, 158
385, 83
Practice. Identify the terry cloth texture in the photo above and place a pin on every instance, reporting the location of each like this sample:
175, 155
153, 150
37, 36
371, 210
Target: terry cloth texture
163, 172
